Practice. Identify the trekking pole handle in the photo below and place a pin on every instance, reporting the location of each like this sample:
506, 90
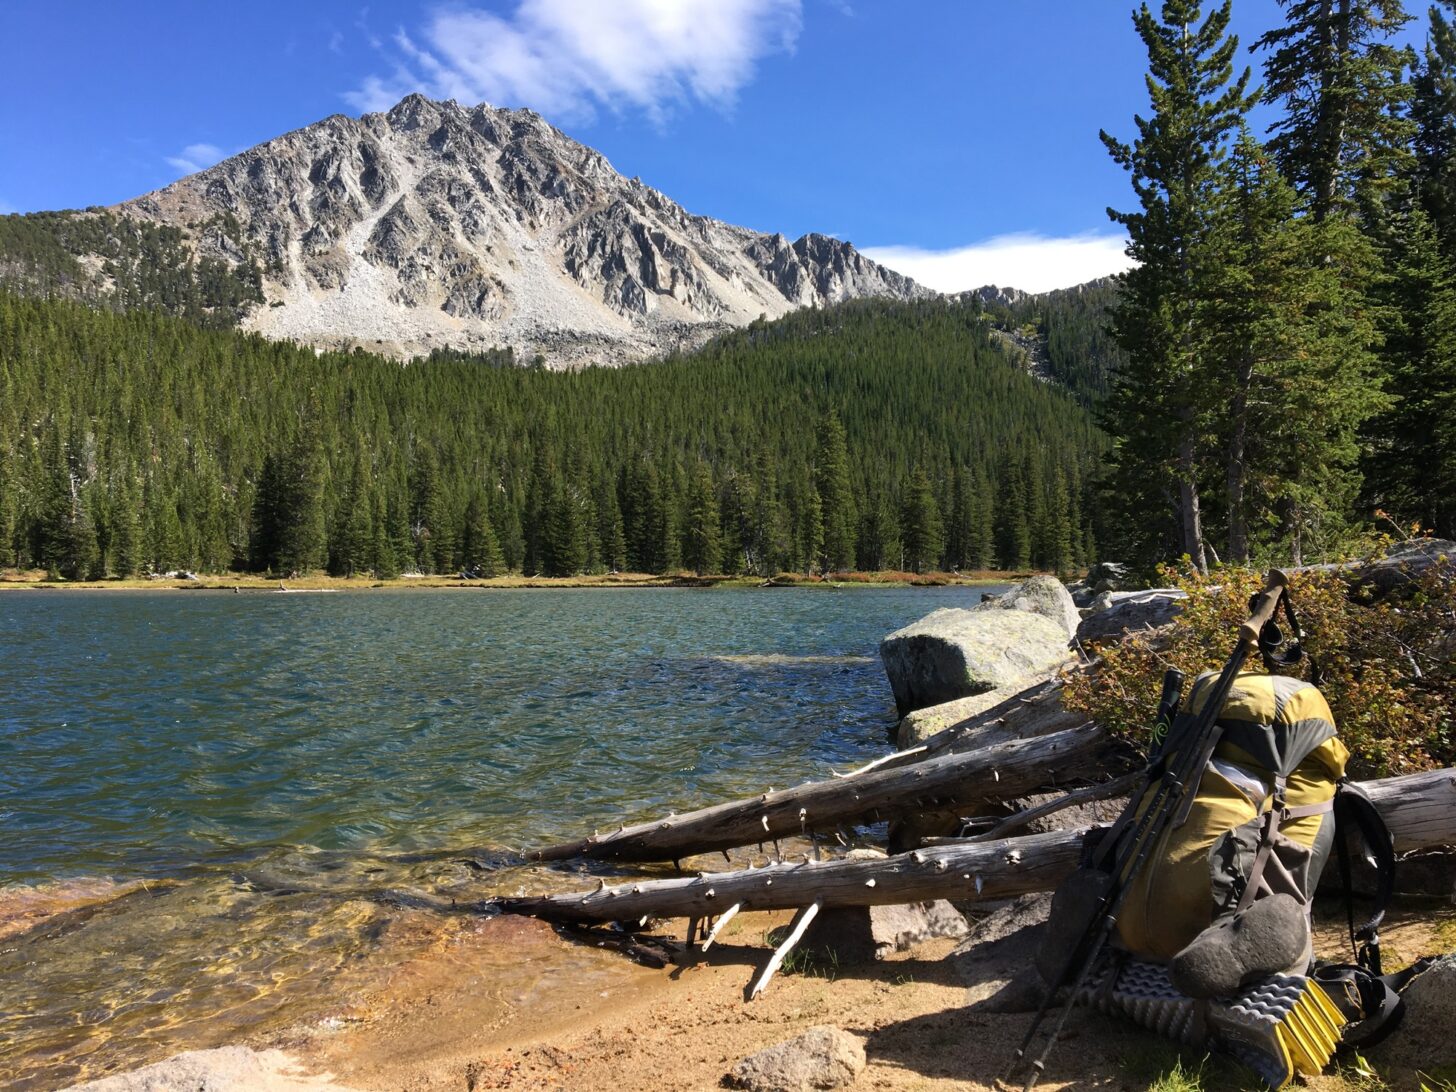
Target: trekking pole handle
1265, 606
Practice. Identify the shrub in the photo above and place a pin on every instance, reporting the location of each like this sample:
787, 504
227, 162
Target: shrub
1385, 667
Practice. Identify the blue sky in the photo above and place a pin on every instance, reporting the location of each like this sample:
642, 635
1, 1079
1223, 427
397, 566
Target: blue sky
955, 139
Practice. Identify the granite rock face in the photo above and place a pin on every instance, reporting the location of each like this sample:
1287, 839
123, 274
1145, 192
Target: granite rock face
955, 653
435, 224
823, 1057
1044, 595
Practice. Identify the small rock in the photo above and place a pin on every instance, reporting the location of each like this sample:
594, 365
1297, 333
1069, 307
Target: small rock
858, 934
919, 725
1092, 813
1424, 1038
823, 1057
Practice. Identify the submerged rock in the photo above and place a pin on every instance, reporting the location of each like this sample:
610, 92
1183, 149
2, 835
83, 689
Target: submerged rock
823, 1057
224, 1069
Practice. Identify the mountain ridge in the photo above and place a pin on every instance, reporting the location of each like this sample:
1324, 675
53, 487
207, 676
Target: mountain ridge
434, 224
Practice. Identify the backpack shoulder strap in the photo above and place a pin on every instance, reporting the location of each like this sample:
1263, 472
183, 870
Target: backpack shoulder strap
1355, 811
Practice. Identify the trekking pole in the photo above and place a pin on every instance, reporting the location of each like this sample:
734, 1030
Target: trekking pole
1179, 763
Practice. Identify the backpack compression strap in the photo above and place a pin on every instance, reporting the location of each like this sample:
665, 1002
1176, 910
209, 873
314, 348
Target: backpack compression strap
1354, 809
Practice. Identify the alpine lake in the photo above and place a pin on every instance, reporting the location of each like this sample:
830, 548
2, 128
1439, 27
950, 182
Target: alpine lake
221, 814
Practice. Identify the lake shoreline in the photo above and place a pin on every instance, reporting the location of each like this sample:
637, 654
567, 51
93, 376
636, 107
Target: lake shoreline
253, 582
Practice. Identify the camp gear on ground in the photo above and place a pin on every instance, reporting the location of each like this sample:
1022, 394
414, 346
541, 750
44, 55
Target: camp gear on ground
1124, 853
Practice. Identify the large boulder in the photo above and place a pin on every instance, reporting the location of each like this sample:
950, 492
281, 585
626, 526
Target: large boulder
1044, 595
955, 653
823, 1057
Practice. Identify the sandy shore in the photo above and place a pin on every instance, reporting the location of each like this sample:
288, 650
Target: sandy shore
614, 1026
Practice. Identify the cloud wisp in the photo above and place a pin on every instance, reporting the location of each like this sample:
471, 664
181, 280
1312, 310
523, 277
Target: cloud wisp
196, 157
1025, 260
569, 59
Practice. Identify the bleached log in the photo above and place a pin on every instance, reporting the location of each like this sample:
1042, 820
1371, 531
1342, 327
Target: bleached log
990, 870
1419, 809
1001, 772
801, 922
723, 919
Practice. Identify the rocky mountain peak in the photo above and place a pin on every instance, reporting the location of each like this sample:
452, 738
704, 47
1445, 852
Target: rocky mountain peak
434, 224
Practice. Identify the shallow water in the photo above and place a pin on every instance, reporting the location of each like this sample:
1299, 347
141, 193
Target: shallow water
281, 787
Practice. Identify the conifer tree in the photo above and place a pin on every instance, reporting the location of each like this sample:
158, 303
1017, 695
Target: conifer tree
126, 530
701, 548
564, 548
921, 529
1333, 69
301, 541
766, 546
958, 532
879, 536
1013, 528
831, 482
611, 530
480, 549
981, 539
1161, 397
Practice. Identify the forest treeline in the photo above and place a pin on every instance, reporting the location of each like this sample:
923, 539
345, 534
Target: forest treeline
873, 435
1287, 342
132, 264
1275, 375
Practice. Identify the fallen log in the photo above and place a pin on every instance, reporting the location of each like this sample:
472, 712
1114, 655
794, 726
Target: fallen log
1004, 771
987, 870
1419, 809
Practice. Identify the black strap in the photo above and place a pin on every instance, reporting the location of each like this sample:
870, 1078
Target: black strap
1354, 810
1371, 1004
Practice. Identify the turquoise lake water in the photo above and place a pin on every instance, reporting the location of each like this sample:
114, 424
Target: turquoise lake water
264, 778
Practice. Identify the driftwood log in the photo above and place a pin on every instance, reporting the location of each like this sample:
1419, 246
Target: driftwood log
1420, 810
1003, 771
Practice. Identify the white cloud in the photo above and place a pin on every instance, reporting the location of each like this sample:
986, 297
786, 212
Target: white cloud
1025, 260
196, 157
568, 58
